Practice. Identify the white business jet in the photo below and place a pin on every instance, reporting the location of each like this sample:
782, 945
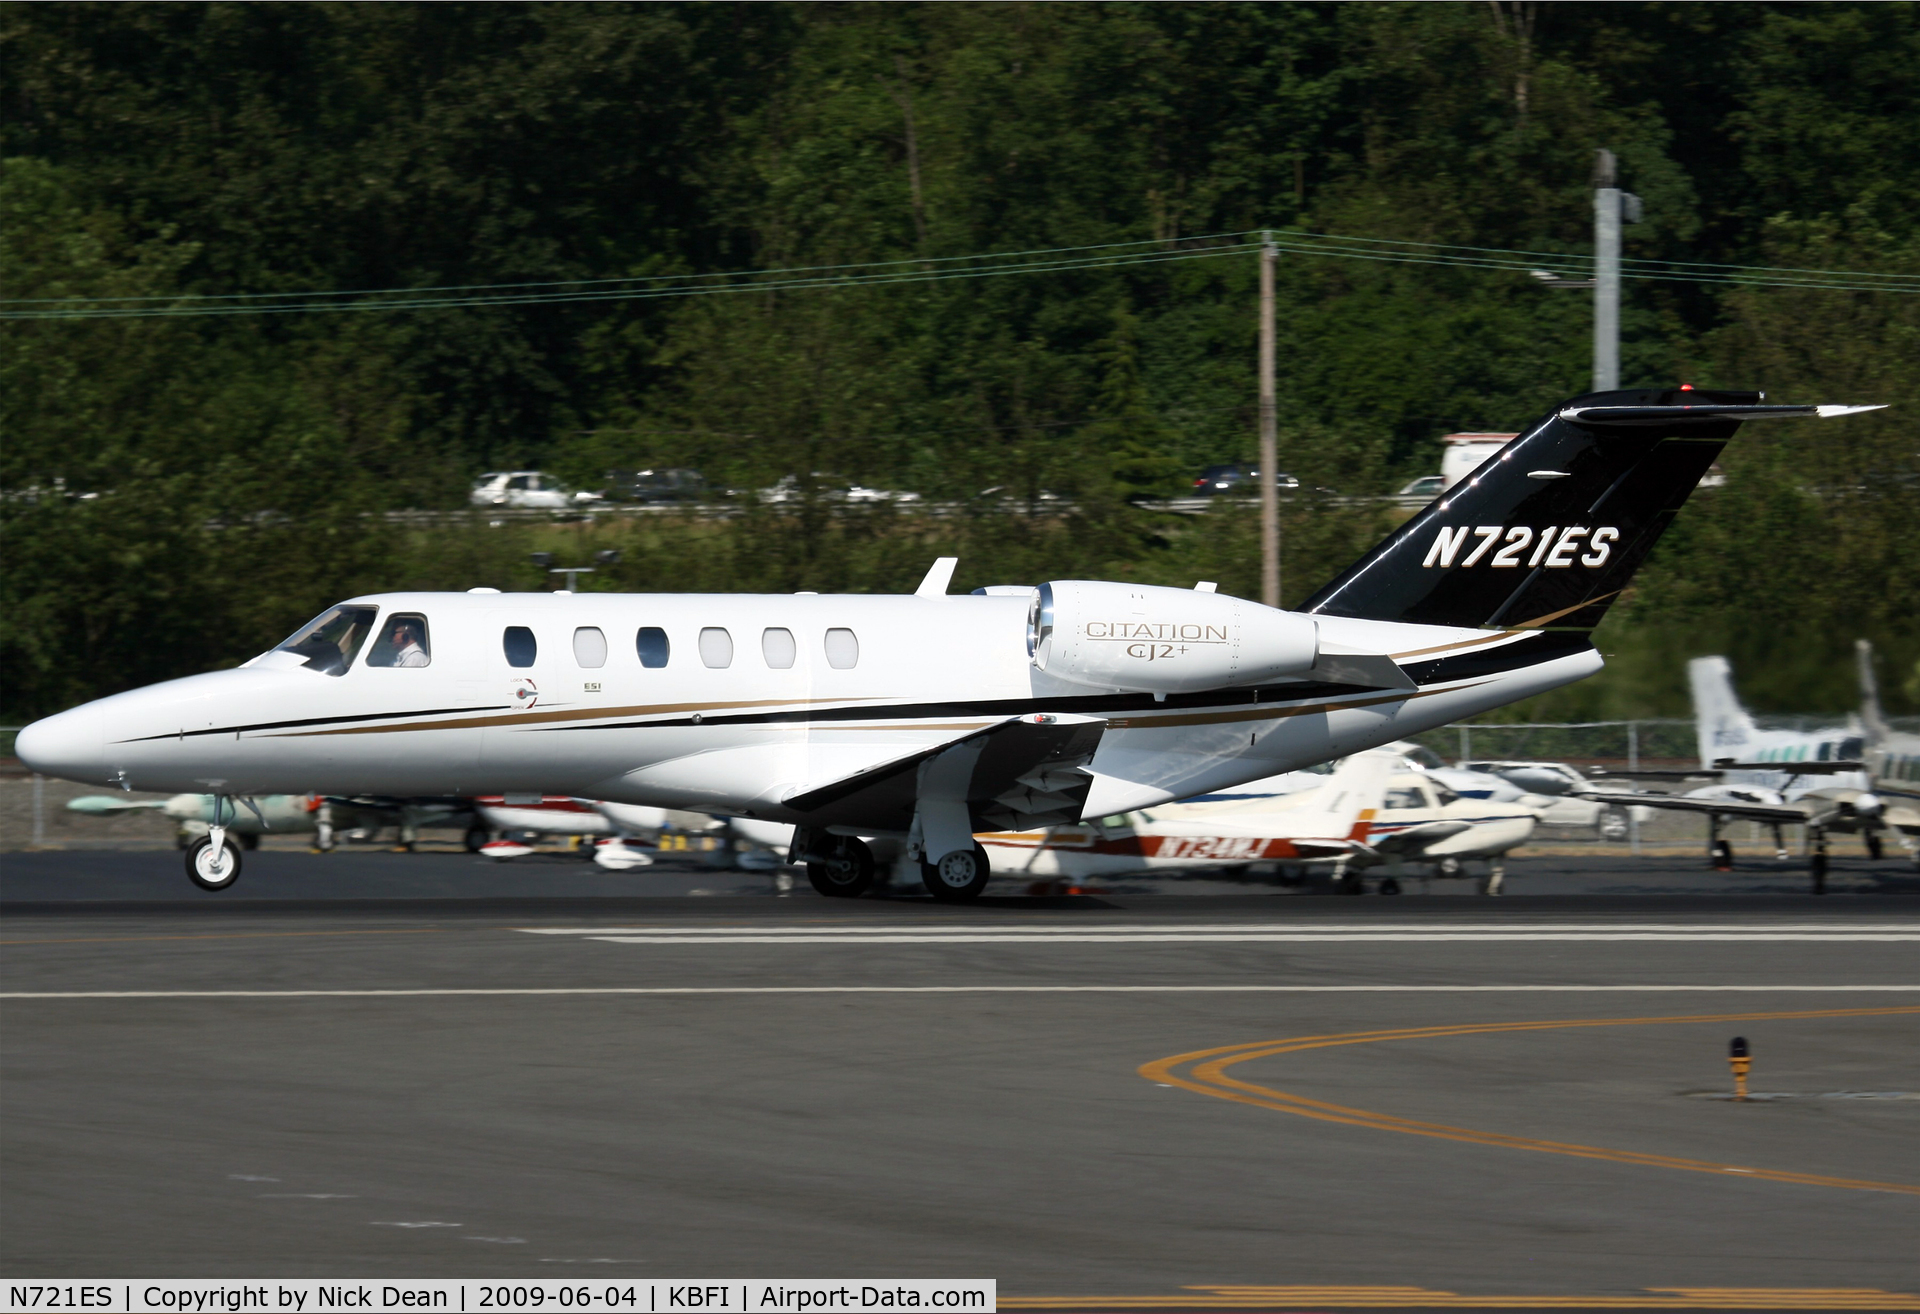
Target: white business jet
926, 718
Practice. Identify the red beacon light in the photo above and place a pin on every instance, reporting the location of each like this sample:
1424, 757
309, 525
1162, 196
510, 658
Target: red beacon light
1686, 387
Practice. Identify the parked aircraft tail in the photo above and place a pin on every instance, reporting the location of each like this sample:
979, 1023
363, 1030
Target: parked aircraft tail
1873, 719
1549, 530
1721, 724
1350, 799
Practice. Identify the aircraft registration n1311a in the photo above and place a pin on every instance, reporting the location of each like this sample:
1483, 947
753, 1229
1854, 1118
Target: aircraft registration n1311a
929, 717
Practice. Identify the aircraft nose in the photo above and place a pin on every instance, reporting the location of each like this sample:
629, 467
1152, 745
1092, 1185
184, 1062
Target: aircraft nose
71, 745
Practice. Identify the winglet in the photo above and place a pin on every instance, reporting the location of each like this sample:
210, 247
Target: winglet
941, 575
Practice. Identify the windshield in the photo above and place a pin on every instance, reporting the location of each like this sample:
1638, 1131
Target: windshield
330, 642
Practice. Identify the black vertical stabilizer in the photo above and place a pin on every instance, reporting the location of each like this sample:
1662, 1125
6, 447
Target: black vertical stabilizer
1549, 530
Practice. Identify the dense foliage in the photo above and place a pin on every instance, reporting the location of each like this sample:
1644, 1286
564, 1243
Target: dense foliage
180, 491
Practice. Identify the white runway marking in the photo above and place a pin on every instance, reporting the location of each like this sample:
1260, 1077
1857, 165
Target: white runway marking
1389, 933
966, 990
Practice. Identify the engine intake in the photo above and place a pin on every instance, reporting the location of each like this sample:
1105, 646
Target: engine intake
1160, 640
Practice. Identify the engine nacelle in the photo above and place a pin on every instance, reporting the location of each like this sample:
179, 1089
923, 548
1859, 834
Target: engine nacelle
1160, 640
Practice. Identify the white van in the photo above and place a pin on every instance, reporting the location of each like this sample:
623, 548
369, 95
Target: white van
1465, 451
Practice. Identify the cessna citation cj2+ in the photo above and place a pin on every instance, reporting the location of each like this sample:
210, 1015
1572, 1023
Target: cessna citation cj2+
926, 718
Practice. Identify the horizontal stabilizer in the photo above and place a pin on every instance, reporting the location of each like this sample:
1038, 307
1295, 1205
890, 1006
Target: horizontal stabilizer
1703, 414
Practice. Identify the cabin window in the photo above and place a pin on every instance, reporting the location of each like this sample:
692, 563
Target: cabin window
519, 644
330, 641
402, 642
778, 647
590, 647
843, 650
1405, 798
651, 643
716, 648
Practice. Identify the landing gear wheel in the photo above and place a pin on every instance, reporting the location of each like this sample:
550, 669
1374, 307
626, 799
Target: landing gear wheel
476, 838
1450, 867
1875, 850
1389, 886
847, 872
206, 867
249, 842
962, 874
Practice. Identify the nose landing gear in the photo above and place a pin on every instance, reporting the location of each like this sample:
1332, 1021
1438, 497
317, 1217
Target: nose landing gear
213, 860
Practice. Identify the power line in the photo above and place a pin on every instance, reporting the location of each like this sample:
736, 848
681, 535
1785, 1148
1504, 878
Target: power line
1116, 255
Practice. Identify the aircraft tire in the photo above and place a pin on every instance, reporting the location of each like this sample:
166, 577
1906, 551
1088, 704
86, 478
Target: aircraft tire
203, 867
960, 875
249, 842
476, 838
1389, 886
848, 874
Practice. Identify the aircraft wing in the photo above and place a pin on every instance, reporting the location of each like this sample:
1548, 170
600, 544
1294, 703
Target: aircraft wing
1783, 813
105, 805
1417, 837
1027, 772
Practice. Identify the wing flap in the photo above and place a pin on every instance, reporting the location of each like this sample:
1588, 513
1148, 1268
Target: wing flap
1029, 773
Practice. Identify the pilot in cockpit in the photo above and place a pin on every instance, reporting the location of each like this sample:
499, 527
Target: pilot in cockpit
404, 645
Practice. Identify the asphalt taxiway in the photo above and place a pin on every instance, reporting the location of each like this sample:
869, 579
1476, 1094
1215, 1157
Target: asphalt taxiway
1104, 1103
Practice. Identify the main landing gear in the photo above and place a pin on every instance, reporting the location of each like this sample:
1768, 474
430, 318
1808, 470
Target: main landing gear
961, 874
840, 866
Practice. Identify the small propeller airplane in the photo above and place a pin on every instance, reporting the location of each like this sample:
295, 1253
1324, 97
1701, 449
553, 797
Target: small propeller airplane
1371, 810
928, 717
1327, 823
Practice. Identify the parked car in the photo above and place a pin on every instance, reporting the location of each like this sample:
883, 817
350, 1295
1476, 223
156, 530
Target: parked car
1425, 488
831, 488
671, 484
525, 489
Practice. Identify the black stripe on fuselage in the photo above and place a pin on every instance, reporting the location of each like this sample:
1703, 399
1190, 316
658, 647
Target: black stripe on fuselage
316, 720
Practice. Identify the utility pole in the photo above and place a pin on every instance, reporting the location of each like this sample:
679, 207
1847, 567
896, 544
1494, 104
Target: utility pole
1269, 436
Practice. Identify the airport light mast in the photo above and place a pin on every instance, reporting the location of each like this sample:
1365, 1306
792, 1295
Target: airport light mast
1611, 208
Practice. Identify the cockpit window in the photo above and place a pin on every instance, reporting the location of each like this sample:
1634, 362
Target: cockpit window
402, 642
330, 642
1405, 798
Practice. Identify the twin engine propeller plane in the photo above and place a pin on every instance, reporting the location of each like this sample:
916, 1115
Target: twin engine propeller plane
1861, 779
926, 718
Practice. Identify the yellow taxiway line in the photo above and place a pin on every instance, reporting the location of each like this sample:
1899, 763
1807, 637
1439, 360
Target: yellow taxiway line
1206, 1074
